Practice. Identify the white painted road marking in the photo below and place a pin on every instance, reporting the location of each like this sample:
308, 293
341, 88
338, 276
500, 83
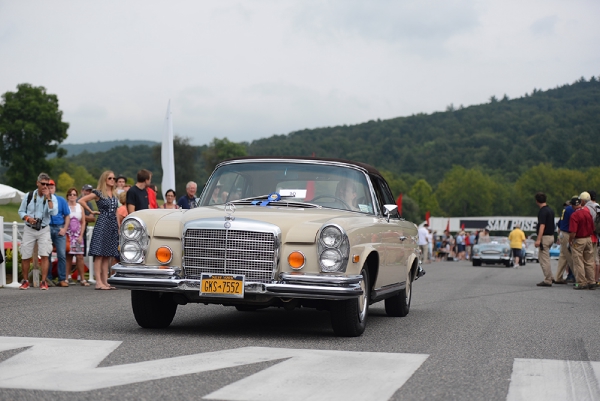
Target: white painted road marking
548, 380
305, 375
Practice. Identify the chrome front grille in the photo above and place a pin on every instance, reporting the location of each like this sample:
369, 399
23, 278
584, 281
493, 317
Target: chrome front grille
219, 251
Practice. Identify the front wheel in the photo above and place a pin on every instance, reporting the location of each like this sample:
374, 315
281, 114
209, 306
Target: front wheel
349, 317
399, 305
153, 310
476, 262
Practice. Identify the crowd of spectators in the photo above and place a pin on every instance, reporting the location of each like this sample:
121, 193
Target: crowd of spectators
58, 225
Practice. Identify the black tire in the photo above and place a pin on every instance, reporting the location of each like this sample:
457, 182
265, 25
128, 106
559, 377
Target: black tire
153, 310
399, 305
349, 317
509, 263
476, 262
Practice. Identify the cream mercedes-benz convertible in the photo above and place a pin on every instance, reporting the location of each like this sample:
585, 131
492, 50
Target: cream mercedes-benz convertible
283, 232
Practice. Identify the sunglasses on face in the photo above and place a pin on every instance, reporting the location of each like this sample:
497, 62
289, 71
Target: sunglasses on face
111, 178
44, 184
73, 194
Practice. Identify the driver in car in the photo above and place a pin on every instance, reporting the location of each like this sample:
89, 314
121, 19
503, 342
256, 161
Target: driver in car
346, 191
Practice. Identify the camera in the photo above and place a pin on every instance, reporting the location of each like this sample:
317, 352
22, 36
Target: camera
37, 225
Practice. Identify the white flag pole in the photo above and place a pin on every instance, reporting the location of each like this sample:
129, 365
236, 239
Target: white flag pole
167, 156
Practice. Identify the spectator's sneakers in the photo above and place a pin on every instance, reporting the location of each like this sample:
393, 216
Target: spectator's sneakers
24, 285
63, 283
544, 284
43, 285
578, 286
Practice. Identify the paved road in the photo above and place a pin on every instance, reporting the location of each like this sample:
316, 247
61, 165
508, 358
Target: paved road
473, 333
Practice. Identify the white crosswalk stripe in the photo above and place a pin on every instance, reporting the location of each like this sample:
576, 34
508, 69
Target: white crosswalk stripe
549, 380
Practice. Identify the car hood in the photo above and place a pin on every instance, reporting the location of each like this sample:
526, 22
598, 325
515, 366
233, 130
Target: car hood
296, 224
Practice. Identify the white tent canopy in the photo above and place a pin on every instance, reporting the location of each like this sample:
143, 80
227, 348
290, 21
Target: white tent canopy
10, 195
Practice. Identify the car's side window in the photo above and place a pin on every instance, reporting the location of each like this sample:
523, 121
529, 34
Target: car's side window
384, 195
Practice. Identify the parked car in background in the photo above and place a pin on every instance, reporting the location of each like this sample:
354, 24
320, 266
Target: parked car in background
282, 232
531, 252
554, 251
497, 251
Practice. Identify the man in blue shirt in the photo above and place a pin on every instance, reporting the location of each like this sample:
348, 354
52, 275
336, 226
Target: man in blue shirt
565, 257
36, 209
58, 232
188, 201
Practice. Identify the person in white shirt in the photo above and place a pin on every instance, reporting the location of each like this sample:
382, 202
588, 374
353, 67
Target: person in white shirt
424, 243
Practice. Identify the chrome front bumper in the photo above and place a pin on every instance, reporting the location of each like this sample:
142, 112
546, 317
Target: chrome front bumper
289, 285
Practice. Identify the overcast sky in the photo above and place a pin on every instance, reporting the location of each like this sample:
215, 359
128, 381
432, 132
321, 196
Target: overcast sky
251, 69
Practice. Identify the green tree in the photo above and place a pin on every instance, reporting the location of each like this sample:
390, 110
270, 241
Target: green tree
65, 181
559, 185
31, 127
422, 193
466, 192
396, 183
410, 210
219, 150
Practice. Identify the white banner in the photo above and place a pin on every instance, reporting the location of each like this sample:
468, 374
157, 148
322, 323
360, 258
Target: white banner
167, 156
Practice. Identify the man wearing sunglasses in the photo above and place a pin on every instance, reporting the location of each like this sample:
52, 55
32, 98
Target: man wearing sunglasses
36, 209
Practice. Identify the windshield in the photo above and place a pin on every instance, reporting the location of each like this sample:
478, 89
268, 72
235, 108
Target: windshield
499, 240
318, 184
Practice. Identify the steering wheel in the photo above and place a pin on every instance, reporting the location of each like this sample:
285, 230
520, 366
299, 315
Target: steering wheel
332, 197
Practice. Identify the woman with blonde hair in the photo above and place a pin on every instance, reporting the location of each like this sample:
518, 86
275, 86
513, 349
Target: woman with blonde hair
105, 238
75, 232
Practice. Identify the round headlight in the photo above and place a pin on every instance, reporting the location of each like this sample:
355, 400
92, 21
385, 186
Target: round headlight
331, 236
132, 229
331, 260
131, 252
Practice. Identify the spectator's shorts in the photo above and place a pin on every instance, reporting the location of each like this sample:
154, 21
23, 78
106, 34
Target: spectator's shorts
461, 248
31, 237
516, 252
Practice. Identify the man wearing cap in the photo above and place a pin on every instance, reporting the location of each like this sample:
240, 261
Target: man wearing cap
58, 232
592, 207
564, 259
545, 238
581, 228
36, 208
89, 217
188, 201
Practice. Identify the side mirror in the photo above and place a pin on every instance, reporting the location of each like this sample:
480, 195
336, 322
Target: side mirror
389, 211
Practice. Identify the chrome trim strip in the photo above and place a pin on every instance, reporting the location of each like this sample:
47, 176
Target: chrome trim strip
171, 271
378, 294
319, 279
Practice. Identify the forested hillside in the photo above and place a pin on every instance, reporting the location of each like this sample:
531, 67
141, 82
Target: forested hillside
480, 160
559, 126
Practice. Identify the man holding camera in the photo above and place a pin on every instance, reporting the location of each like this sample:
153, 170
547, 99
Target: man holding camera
36, 209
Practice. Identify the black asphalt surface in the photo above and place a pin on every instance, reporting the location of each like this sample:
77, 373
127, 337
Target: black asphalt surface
471, 321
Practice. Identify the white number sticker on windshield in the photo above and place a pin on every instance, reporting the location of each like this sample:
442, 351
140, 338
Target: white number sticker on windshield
294, 193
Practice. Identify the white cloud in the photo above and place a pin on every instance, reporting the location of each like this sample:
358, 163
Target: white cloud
247, 70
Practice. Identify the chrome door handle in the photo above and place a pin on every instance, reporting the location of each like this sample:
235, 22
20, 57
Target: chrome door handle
402, 238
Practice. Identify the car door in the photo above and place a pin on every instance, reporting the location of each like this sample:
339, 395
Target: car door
395, 237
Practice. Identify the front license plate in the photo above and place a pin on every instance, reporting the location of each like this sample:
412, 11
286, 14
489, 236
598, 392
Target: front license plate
222, 285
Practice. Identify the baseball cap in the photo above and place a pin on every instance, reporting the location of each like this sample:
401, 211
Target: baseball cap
87, 187
575, 201
51, 182
585, 196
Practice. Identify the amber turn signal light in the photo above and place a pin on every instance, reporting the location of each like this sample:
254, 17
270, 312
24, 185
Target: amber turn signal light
164, 254
296, 260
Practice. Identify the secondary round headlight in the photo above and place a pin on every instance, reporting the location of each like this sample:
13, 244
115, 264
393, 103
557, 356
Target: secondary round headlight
331, 236
132, 229
331, 260
131, 252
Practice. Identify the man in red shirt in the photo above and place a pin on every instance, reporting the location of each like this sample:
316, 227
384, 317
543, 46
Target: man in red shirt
581, 228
